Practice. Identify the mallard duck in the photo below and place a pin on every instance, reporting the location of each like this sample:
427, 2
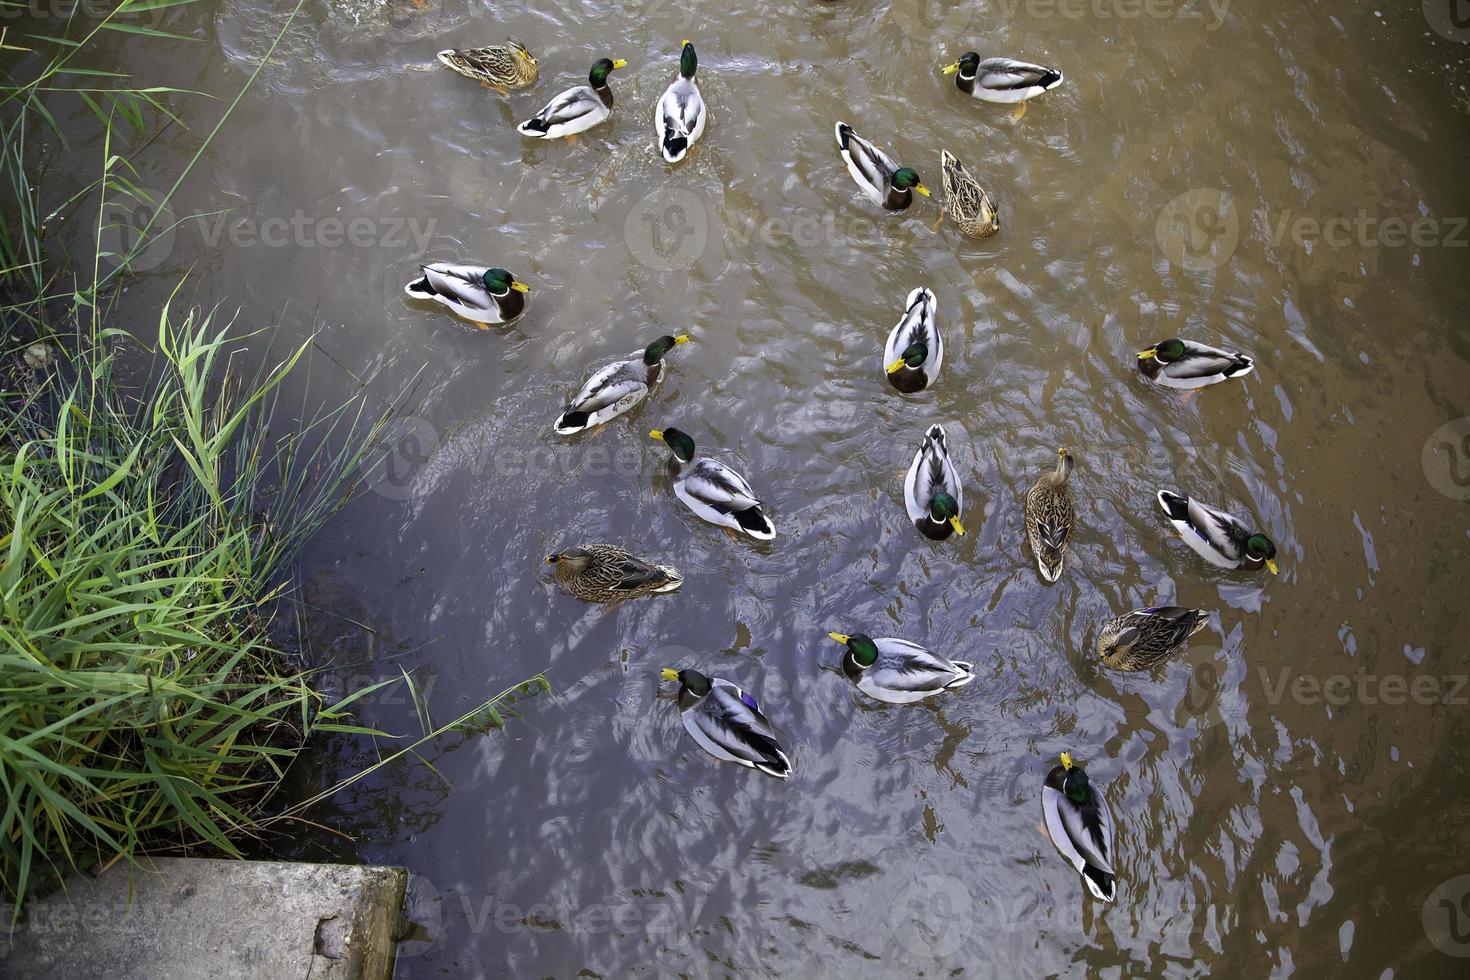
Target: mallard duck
1176, 363
478, 294
1215, 536
965, 201
1145, 638
897, 671
577, 109
931, 492
500, 66
1050, 517
727, 723
877, 173
617, 387
915, 351
680, 115
1002, 80
606, 573
1080, 825
712, 490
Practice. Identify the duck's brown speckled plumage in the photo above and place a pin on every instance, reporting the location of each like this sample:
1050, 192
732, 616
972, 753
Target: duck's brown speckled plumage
1050, 516
502, 66
607, 573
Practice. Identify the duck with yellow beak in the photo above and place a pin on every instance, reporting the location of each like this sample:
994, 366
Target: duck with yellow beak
896, 671
877, 173
1220, 539
727, 723
480, 295
577, 109
713, 490
915, 351
931, 492
1080, 825
1003, 80
617, 387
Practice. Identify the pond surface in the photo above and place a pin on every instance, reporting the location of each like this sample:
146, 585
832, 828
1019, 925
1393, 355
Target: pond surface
1283, 805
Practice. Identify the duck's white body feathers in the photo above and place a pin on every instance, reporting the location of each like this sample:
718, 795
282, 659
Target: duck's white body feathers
931, 470
1084, 836
613, 390
918, 323
461, 288
574, 111
728, 724
906, 672
718, 494
1007, 81
679, 118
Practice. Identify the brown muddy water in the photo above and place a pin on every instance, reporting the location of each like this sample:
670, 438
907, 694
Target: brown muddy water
1288, 179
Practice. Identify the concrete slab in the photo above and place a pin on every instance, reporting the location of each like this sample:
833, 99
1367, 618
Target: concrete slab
189, 918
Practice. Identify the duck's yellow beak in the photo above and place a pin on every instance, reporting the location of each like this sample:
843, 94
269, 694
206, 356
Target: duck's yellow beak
1066, 761
657, 434
1271, 564
519, 286
922, 190
840, 637
683, 338
669, 674
951, 69
895, 367
959, 528
1148, 355
619, 63
682, 43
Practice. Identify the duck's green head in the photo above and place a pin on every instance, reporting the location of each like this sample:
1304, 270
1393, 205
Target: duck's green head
968, 65
693, 681
907, 179
1258, 547
678, 442
1165, 351
860, 646
656, 350
1074, 781
600, 69
913, 356
942, 508
688, 60
500, 282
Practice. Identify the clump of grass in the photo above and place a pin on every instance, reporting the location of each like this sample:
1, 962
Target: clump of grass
140, 700
146, 535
